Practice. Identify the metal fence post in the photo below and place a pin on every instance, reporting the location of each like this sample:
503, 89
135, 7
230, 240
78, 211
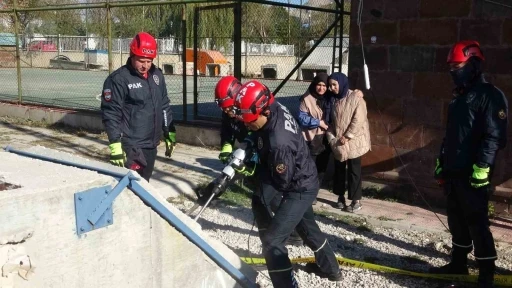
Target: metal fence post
17, 43
246, 54
86, 60
184, 58
109, 28
237, 41
58, 50
196, 51
120, 51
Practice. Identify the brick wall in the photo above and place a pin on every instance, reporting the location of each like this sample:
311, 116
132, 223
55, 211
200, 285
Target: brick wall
411, 83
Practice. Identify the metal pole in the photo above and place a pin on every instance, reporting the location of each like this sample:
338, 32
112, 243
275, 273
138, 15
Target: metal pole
301, 36
196, 51
17, 43
326, 32
288, 22
109, 40
108, 172
58, 50
157, 35
132, 4
119, 46
86, 37
184, 59
342, 30
246, 54
113, 5
237, 61
334, 45
282, 4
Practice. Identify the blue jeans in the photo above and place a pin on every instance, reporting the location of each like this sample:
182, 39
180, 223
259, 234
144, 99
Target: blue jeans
294, 212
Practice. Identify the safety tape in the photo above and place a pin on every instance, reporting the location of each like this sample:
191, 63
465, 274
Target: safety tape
502, 280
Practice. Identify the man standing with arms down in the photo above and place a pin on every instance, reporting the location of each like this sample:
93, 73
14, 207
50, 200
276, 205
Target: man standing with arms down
136, 109
476, 129
286, 167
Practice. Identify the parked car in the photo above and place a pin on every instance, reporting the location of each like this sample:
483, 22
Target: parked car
40, 45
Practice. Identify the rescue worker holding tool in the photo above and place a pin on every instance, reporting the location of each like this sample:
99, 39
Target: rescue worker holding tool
233, 129
476, 129
285, 166
135, 106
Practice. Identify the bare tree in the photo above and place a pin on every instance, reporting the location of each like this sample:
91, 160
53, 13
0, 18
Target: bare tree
24, 18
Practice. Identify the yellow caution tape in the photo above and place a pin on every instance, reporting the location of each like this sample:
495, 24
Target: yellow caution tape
502, 280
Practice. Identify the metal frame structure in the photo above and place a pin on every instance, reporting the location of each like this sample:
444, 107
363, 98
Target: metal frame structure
219, 4
237, 65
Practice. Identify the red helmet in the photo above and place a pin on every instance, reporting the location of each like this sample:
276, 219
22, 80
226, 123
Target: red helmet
463, 50
226, 90
252, 99
143, 45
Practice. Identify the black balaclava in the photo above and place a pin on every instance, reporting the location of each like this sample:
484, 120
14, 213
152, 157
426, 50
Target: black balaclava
468, 74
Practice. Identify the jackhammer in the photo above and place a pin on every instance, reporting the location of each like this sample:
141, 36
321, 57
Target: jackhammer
240, 160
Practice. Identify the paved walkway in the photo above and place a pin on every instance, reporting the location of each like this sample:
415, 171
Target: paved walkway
397, 215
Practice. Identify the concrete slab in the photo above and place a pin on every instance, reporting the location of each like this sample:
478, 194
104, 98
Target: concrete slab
39, 246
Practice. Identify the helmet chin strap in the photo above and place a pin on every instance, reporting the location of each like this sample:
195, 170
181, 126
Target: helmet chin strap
260, 122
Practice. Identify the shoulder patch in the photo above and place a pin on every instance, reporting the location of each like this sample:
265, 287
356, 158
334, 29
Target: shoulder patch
107, 95
502, 115
281, 168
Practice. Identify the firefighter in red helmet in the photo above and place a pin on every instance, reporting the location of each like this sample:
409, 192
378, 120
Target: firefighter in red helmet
135, 108
232, 129
476, 129
286, 167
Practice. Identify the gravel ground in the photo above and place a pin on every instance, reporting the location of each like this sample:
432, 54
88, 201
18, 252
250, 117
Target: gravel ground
405, 249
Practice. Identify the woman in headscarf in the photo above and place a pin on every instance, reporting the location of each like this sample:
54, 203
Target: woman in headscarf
314, 111
349, 138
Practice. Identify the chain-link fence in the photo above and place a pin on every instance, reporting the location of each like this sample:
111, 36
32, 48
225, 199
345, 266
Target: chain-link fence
67, 50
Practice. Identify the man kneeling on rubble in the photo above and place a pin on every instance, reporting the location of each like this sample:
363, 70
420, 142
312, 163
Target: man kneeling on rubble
287, 167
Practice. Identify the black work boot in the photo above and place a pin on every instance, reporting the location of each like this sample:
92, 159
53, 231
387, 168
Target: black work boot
313, 268
458, 264
486, 273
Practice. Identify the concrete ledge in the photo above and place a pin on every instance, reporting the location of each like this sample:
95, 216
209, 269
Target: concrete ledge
185, 133
139, 249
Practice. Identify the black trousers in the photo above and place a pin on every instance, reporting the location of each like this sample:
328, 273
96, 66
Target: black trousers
149, 154
294, 212
322, 159
468, 220
266, 202
351, 176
